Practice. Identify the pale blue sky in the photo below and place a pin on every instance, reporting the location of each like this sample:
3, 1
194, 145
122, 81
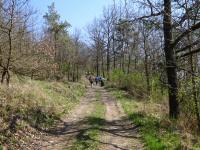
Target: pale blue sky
78, 13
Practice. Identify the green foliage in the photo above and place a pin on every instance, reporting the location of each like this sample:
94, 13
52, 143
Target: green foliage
127, 81
155, 136
186, 97
135, 83
53, 20
158, 91
65, 67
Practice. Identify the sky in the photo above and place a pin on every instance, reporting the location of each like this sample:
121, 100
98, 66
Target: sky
79, 13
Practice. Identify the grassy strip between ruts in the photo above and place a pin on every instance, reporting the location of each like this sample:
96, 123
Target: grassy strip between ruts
88, 139
154, 135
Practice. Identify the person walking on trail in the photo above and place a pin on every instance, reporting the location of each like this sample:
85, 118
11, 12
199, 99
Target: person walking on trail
102, 81
96, 79
91, 80
99, 79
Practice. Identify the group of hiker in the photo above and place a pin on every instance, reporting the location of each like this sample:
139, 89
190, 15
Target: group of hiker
98, 80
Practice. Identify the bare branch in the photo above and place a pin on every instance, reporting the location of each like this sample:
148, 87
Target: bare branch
189, 53
188, 46
180, 37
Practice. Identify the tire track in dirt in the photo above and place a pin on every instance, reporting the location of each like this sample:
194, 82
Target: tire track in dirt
119, 133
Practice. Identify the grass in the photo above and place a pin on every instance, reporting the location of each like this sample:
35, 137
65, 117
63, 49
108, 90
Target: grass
88, 139
156, 136
39, 104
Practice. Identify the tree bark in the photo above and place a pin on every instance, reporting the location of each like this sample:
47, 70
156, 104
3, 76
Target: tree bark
108, 59
170, 62
146, 67
97, 61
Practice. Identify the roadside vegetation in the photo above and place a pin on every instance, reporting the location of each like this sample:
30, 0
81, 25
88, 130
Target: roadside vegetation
150, 113
28, 105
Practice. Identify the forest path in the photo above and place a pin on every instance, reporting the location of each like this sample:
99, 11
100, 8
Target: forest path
116, 132
72, 125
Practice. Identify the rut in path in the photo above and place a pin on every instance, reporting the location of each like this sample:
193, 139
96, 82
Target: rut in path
117, 132
63, 136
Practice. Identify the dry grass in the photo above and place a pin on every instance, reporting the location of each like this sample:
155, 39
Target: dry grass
36, 104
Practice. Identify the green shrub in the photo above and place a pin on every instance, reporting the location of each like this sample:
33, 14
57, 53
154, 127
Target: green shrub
136, 84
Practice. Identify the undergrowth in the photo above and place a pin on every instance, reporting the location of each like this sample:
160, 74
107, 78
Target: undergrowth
156, 133
37, 104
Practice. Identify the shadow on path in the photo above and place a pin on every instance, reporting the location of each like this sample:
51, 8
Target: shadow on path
118, 128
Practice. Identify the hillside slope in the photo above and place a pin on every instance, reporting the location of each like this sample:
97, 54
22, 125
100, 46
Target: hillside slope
27, 105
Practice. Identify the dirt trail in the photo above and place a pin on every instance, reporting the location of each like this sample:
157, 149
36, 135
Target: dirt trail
119, 133
72, 124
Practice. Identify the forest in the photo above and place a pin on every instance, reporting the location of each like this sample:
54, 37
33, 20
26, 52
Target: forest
147, 52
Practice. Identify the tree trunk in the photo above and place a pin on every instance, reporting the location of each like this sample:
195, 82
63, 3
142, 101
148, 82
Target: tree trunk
77, 72
68, 73
114, 60
6, 71
73, 73
3, 76
97, 63
113, 49
108, 60
129, 63
170, 61
8, 77
102, 65
146, 68
55, 46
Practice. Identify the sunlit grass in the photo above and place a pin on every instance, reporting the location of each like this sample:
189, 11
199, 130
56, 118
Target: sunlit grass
154, 135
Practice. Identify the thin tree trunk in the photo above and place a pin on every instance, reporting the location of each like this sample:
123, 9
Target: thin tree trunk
73, 73
146, 67
55, 46
102, 65
123, 62
77, 72
113, 49
9, 58
129, 64
108, 60
97, 62
114, 60
3, 76
68, 73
